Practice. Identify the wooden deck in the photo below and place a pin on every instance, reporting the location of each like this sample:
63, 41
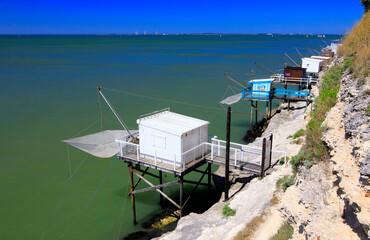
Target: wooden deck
241, 165
164, 166
180, 171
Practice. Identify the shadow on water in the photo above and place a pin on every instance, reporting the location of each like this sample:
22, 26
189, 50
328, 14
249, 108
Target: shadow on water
200, 201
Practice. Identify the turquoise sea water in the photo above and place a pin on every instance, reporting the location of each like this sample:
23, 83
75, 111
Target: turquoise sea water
49, 94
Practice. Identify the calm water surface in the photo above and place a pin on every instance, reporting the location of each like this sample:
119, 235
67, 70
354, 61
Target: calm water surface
49, 94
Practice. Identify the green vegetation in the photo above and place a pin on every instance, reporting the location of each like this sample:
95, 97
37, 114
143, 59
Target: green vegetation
314, 149
368, 109
285, 182
282, 160
227, 211
357, 44
296, 160
298, 141
308, 163
285, 232
247, 233
298, 134
366, 4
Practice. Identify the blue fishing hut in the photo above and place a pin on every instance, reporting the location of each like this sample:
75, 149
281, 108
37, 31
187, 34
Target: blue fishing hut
261, 90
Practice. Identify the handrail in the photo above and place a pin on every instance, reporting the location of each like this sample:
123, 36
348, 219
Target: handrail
239, 153
256, 94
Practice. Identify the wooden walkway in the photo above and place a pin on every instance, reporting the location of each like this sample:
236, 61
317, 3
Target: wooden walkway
241, 165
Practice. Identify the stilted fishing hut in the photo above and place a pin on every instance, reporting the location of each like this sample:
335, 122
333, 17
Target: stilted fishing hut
176, 144
261, 90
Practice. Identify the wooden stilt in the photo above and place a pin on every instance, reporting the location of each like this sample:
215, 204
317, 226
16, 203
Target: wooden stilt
285, 87
132, 195
181, 194
251, 121
209, 175
227, 153
267, 109
160, 182
270, 103
256, 113
263, 158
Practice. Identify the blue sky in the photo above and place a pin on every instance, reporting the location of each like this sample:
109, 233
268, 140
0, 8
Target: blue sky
177, 16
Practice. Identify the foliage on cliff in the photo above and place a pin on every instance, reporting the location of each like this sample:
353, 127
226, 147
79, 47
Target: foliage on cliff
315, 149
357, 44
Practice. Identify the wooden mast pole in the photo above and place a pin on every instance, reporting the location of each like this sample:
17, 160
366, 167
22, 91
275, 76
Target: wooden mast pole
227, 153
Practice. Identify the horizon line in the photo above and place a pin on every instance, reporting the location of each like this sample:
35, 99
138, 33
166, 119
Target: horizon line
163, 34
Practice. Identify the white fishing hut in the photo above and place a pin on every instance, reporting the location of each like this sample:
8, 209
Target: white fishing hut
312, 65
167, 136
325, 59
334, 47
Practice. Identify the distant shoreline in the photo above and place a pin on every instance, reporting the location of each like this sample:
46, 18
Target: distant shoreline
173, 34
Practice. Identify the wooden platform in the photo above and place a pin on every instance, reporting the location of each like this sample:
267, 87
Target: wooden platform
163, 166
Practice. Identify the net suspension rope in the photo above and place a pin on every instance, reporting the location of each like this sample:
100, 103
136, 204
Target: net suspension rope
88, 203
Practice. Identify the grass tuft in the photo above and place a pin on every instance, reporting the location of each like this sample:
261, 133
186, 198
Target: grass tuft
298, 134
285, 232
285, 182
357, 44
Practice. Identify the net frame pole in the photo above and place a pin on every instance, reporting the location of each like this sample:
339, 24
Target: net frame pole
114, 112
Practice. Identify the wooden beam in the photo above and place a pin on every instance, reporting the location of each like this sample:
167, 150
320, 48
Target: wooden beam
137, 182
152, 185
132, 196
155, 187
148, 173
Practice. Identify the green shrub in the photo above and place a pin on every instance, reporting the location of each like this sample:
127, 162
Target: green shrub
282, 161
285, 182
227, 211
285, 232
368, 109
296, 160
308, 163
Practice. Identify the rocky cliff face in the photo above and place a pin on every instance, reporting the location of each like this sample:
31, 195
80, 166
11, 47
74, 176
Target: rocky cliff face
355, 96
331, 200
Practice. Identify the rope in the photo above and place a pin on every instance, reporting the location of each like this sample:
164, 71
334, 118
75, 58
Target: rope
56, 209
123, 206
87, 128
162, 99
69, 163
79, 166
88, 203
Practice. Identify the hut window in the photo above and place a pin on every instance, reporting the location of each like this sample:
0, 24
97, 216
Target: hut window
159, 142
